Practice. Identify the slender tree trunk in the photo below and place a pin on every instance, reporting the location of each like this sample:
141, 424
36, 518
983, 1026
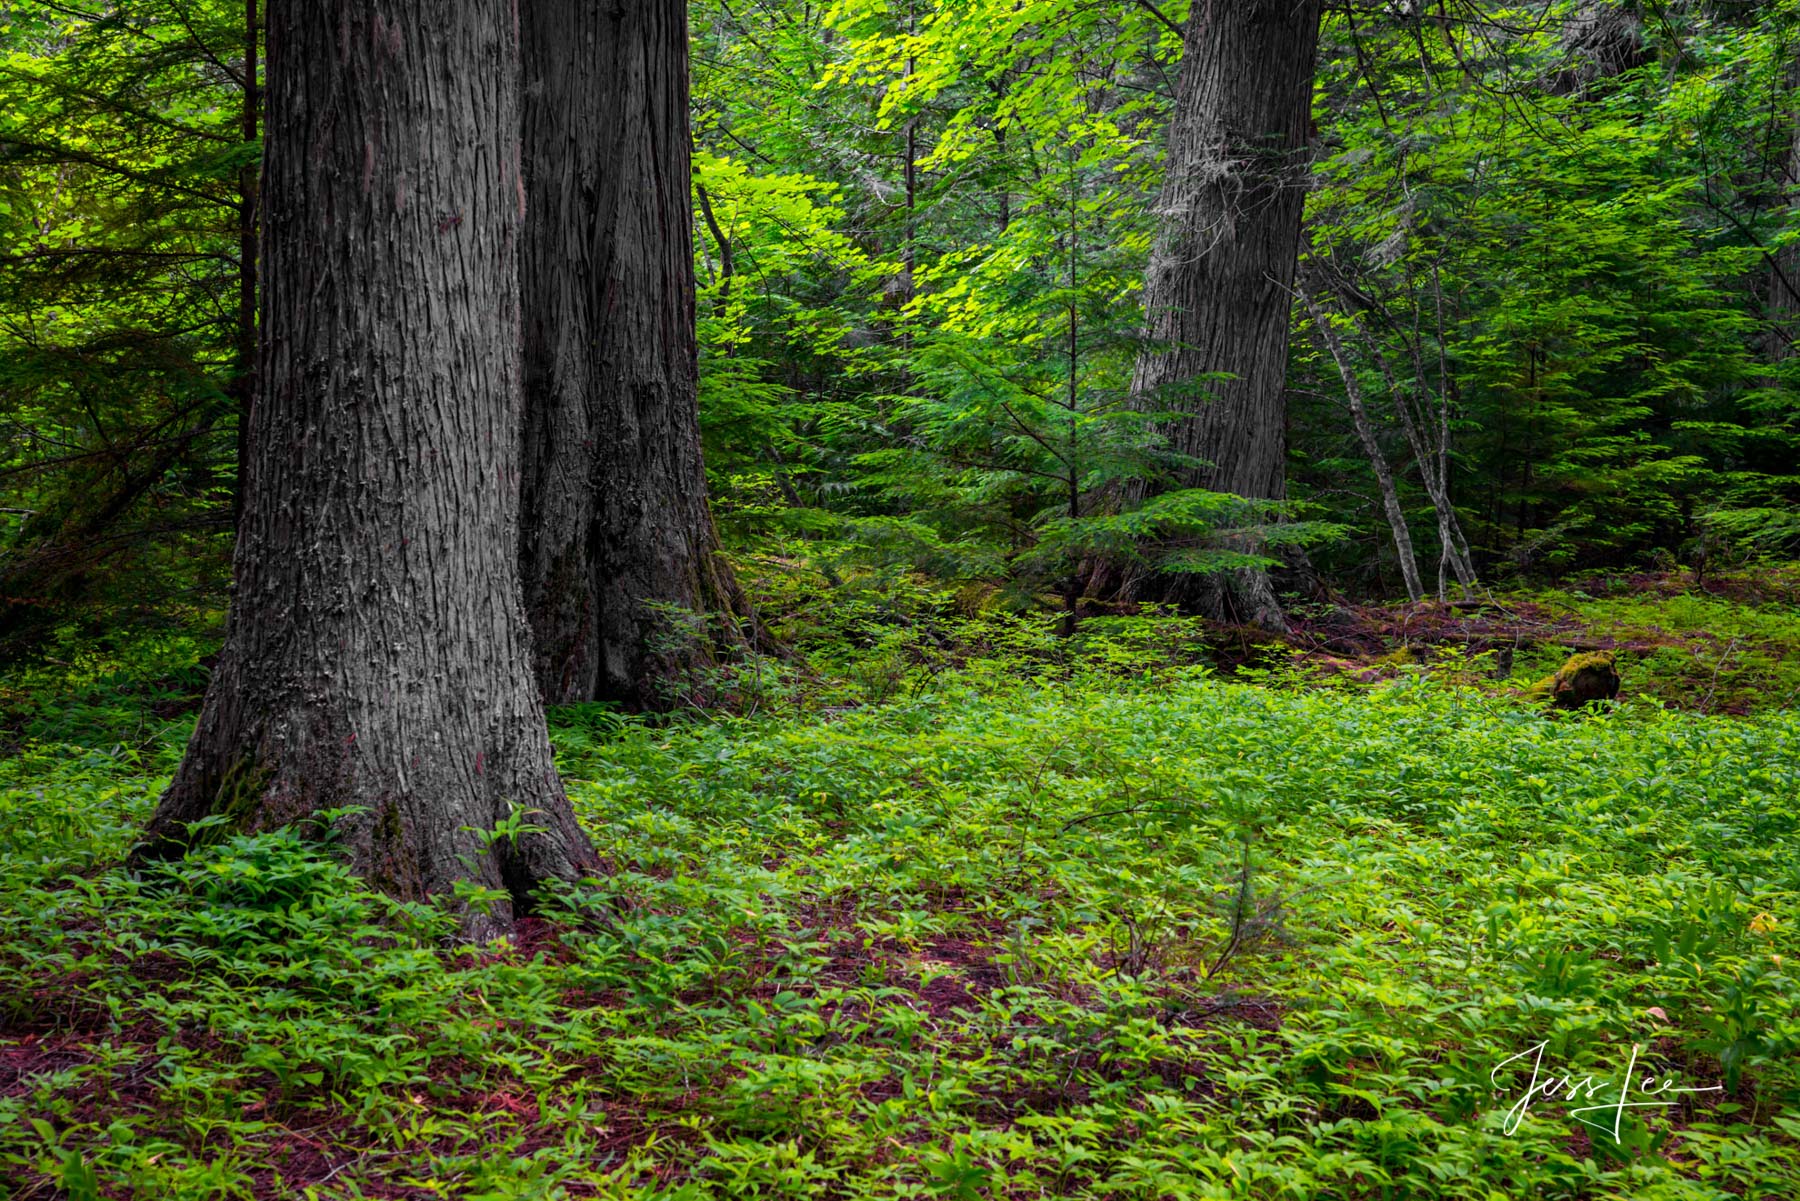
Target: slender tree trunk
1455, 549
1072, 586
727, 260
1428, 434
1429, 437
1004, 193
1365, 433
248, 125
616, 529
909, 253
377, 654
1783, 308
1218, 289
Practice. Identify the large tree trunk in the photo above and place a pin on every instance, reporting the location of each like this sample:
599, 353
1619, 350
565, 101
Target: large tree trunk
616, 529
1219, 286
377, 654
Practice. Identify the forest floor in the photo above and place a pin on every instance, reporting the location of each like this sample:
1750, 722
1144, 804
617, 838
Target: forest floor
1727, 645
953, 911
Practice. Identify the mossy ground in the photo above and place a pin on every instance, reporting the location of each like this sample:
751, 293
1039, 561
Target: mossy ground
1729, 644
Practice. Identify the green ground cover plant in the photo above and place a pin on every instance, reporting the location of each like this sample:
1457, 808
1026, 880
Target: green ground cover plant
1089, 934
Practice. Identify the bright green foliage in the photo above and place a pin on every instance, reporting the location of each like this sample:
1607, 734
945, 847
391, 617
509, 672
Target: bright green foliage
1072, 937
1007, 330
920, 230
1572, 267
761, 315
122, 172
966, 900
1571, 272
1016, 440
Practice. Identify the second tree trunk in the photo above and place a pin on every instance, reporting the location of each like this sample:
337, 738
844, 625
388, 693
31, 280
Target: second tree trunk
619, 557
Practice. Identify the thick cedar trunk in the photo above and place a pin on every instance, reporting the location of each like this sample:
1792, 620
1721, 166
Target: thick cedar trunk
1218, 289
1365, 433
615, 525
377, 654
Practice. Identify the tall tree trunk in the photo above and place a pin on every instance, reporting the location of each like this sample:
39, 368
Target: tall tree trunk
1218, 290
245, 383
616, 528
1782, 313
1365, 433
377, 654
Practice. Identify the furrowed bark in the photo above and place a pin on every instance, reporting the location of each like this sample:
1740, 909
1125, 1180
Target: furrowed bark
1219, 286
616, 531
377, 655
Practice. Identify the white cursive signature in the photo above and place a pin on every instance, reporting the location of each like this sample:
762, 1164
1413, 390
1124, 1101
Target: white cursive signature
1567, 1087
